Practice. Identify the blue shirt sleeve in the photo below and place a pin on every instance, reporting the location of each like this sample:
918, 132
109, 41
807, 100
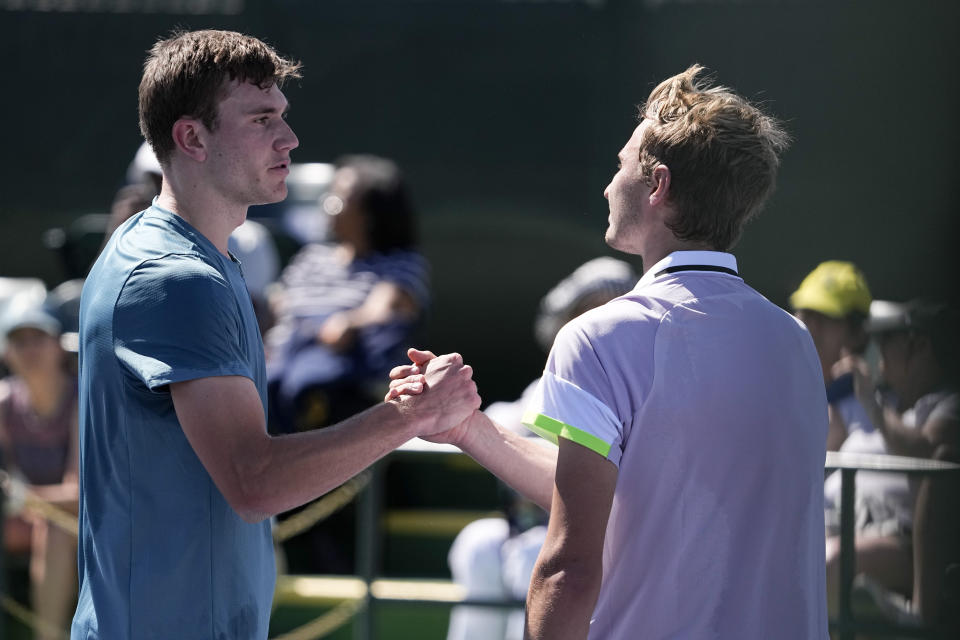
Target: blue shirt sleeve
177, 319
409, 271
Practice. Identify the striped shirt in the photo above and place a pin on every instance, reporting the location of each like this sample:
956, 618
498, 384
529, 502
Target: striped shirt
317, 283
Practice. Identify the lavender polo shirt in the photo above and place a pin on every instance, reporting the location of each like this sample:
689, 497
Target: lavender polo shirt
709, 399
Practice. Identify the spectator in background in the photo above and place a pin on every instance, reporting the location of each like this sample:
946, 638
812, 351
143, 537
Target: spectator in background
918, 415
144, 179
38, 437
252, 245
833, 301
494, 557
344, 310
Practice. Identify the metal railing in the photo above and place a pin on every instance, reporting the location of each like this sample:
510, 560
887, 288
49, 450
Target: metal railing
848, 464
359, 596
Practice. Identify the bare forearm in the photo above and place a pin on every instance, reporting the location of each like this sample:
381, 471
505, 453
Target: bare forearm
386, 302
64, 495
523, 463
259, 475
559, 604
900, 439
288, 471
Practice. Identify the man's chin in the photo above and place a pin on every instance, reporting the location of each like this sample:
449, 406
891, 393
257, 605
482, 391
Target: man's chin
611, 239
278, 195
618, 244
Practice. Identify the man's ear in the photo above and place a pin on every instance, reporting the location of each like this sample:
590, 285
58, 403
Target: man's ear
660, 184
188, 138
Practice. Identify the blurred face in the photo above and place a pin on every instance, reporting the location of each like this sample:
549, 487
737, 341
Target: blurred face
33, 352
249, 149
895, 358
347, 219
831, 337
626, 196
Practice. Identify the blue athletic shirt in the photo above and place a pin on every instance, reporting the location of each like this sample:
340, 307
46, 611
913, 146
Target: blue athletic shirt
162, 553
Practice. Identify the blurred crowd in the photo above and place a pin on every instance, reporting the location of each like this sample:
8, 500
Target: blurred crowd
341, 289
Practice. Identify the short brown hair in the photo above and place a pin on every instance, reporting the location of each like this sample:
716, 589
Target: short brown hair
184, 75
722, 152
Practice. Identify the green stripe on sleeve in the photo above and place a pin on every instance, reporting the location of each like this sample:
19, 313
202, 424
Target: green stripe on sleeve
548, 428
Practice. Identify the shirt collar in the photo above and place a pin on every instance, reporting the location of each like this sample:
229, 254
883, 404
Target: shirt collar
690, 258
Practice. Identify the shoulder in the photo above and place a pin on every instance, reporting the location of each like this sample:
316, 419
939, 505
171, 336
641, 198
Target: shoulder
635, 315
604, 333
945, 406
408, 270
312, 261
153, 233
187, 281
315, 251
400, 260
177, 271
156, 245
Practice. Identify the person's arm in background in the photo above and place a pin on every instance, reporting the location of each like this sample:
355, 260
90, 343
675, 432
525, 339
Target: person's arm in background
837, 430
920, 442
262, 475
65, 494
386, 302
566, 579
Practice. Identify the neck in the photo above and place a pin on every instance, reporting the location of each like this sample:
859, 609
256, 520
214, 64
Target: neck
658, 246
187, 197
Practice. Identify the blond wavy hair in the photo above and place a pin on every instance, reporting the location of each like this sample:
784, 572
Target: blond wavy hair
722, 152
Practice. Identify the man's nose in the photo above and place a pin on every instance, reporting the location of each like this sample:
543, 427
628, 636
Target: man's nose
288, 139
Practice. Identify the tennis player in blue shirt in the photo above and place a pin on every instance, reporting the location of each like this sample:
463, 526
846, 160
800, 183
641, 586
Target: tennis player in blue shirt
178, 474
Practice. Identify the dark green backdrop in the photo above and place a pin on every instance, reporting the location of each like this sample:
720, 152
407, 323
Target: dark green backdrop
507, 117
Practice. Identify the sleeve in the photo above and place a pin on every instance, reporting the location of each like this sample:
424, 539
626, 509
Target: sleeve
411, 272
573, 399
177, 319
947, 409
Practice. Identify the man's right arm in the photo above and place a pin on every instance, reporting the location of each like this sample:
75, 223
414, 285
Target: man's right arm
261, 475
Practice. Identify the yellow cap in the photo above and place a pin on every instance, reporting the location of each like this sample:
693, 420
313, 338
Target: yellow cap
834, 288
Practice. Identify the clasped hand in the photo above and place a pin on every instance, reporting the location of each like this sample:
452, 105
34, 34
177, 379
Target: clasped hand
439, 389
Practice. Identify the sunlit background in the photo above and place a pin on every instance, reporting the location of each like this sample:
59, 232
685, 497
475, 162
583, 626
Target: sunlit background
507, 115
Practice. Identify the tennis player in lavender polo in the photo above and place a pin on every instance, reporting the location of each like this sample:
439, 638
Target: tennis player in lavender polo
686, 493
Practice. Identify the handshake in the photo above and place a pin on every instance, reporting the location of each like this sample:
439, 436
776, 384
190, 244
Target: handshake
437, 393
